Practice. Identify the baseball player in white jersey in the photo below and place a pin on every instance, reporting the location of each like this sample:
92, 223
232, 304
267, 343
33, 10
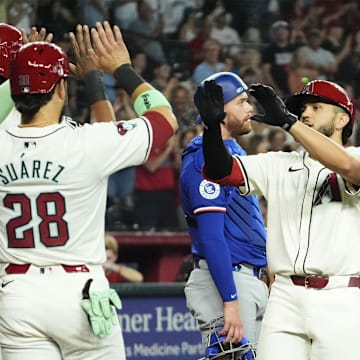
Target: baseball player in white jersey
55, 300
313, 212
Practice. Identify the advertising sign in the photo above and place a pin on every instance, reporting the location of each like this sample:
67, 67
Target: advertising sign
159, 328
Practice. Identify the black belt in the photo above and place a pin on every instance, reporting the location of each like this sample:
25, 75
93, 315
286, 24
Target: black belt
257, 271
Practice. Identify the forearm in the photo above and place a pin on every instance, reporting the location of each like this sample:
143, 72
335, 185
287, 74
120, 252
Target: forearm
128, 273
101, 108
6, 102
218, 161
217, 254
326, 151
136, 86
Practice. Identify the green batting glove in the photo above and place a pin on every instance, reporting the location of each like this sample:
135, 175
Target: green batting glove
100, 308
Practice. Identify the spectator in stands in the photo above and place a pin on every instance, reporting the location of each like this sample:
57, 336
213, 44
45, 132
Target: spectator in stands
319, 58
21, 14
163, 79
277, 140
257, 144
156, 190
94, 10
299, 14
56, 17
203, 28
123, 13
301, 71
211, 64
349, 72
147, 31
225, 34
172, 13
252, 38
139, 61
115, 272
183, 106
277, 57
186, 30
337, 43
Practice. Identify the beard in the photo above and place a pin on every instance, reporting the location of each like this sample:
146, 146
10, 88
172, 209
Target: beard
237, 128
328, 129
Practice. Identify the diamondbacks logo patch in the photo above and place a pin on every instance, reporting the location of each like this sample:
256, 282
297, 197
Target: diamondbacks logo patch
125, 126
209, 190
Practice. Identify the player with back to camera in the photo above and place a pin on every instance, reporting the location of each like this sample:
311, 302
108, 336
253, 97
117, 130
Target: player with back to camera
224, 291
313, 212
55, 299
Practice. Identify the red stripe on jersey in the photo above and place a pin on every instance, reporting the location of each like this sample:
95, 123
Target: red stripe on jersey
236, 177
162, 131
209, 209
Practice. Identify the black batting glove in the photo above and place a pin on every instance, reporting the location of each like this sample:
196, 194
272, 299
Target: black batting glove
276, 112
210, 104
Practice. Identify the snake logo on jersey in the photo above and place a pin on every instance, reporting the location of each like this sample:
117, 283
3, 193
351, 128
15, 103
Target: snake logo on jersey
125, 126
329, 191
209, 190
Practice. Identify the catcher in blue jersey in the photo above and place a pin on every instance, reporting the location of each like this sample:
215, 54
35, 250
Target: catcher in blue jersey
227, 232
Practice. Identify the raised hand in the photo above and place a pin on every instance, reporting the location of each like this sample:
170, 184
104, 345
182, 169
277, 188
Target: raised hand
209, 101
36, 35
84, 53
110, 49
276, 112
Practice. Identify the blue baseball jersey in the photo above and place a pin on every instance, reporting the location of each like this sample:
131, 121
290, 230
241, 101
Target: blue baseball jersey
225, 227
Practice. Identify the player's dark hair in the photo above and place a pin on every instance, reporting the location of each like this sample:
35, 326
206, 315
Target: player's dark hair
29, 104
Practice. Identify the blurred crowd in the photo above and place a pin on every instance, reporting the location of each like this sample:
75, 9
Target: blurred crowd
175, 44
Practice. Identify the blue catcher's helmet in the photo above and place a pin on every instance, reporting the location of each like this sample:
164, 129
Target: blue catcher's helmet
232, 86
216, 347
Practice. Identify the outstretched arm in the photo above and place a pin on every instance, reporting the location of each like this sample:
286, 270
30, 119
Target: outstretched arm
320, 147
219, 164
86, 69
113, 57
328, 152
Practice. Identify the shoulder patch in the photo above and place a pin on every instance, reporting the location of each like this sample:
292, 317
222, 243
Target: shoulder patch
209, 190
125, 126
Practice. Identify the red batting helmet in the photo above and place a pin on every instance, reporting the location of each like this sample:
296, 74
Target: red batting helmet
37, 67
322, 91
10, 42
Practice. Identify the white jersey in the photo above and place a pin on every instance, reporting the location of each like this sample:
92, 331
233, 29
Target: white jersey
53, 183
13, 119
313, 214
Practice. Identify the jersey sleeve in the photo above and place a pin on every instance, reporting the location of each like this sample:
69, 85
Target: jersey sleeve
352, 189
6, 102
217, 253
117, 145
205, 195
207, 203
261, 171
